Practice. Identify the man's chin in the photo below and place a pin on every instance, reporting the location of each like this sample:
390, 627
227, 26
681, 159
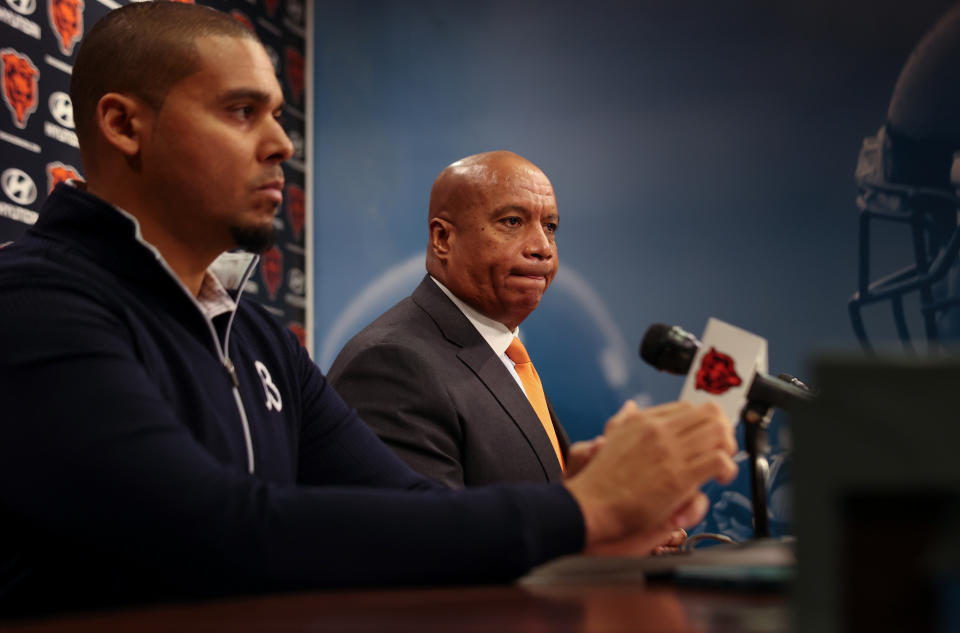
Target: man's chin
255, 239
518, 311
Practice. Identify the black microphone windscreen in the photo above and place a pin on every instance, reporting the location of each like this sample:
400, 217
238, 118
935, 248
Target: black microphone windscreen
669, 348
650, 346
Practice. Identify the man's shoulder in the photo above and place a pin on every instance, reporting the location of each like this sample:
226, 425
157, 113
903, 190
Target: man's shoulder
401, 324
406, 330
33, 264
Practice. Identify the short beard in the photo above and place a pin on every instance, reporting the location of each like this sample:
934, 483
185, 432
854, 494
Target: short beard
257, 239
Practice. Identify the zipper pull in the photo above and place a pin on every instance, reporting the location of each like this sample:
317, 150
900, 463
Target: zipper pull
231, 372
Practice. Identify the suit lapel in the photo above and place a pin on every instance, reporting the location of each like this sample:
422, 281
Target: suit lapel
479, 357
561, 433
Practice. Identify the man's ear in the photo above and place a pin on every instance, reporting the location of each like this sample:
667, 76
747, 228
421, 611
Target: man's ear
122, 121
441, 237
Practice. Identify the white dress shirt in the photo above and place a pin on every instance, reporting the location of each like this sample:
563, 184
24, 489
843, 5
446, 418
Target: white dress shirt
496, 334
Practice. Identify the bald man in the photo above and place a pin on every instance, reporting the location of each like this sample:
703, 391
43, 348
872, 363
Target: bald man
432, 376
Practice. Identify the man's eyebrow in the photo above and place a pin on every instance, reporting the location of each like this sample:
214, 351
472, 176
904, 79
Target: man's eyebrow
248, 94
516, 208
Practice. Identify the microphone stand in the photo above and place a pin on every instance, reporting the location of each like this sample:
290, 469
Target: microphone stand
756, 417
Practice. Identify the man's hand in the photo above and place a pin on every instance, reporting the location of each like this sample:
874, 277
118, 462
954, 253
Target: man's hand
644, 480
674, 542
579, 455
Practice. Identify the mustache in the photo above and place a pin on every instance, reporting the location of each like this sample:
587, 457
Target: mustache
269, 178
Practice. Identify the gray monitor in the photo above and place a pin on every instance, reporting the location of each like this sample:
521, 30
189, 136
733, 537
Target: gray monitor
877, 496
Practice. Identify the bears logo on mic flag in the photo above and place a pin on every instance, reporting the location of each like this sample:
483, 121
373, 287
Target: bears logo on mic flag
724, 367
717, 373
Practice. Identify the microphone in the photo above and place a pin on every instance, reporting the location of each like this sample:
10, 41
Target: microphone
669, 348
672, 349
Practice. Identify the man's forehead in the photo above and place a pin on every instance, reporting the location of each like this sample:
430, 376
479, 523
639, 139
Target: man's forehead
232, 65
539, 186
225, 54
518, 178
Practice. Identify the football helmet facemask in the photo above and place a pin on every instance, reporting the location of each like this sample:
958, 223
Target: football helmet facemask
908, 174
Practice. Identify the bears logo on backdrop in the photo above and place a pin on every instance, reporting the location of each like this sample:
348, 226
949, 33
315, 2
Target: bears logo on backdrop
66, 18
271, 271
296, 211
717, 373
295, 73
57, 172
20, 78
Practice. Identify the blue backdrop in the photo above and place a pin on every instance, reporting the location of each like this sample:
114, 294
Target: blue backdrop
702, 154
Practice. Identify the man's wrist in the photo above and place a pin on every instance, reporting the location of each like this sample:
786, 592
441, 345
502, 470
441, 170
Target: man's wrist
599, 523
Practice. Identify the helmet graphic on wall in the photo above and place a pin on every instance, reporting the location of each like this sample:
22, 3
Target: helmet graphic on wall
909, 178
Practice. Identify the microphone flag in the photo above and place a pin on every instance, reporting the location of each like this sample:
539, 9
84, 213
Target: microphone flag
724, 367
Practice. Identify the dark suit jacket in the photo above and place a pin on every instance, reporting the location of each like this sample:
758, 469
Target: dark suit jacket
431, 387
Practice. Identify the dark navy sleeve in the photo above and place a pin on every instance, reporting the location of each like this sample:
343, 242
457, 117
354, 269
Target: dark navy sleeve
111, 493
336, 447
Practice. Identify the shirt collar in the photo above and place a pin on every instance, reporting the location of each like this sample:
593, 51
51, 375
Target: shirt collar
227, 271
496, 334
213, 297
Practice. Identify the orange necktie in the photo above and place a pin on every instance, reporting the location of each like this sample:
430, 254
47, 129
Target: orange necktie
534, 388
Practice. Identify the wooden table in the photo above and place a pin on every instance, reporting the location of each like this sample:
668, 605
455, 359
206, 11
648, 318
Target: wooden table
591, 607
